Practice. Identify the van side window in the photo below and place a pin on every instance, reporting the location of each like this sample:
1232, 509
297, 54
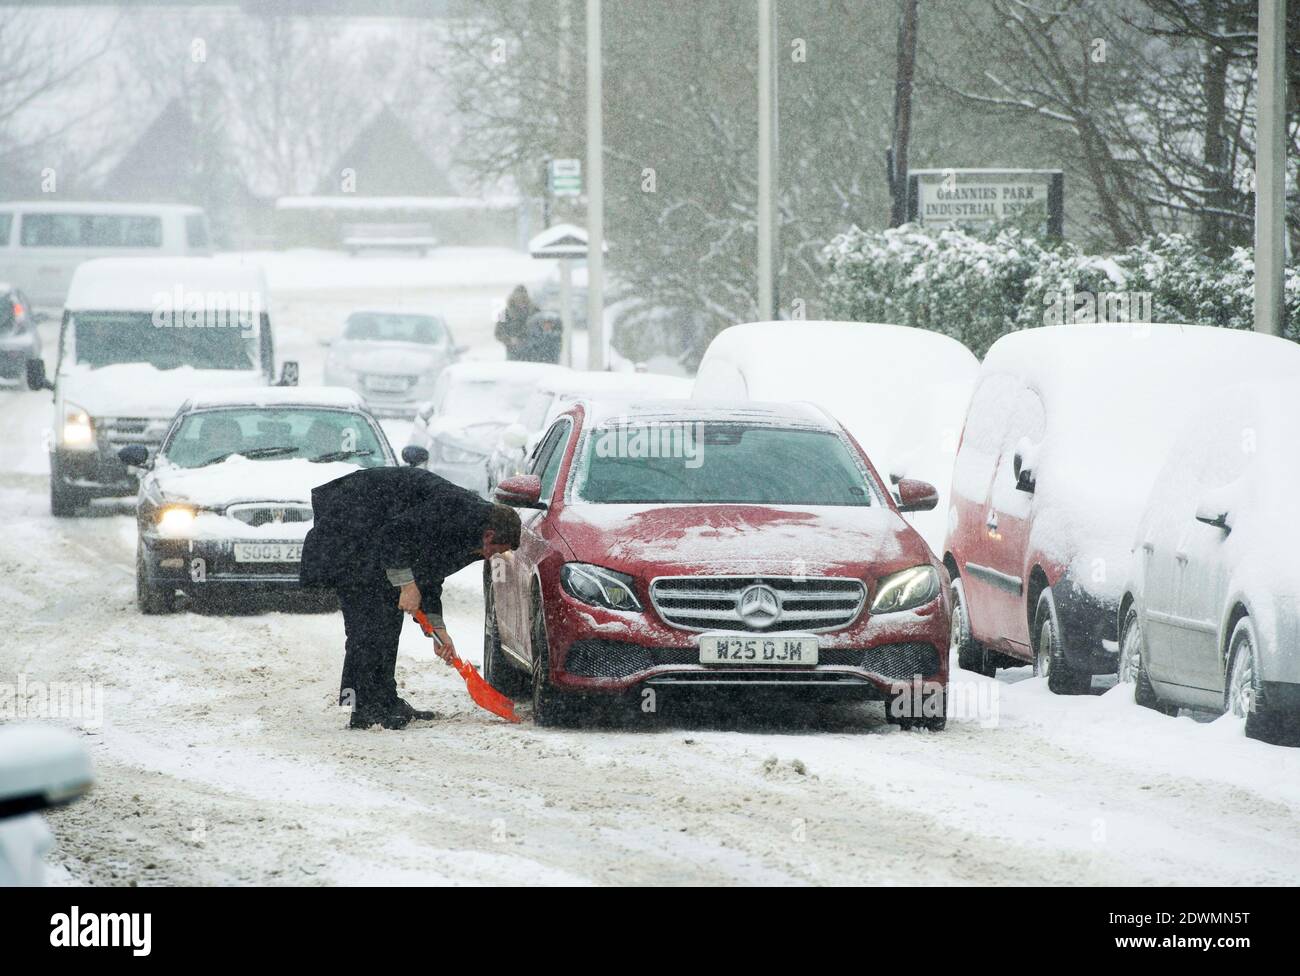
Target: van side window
985, 430
90, 230
6, 222
196, 231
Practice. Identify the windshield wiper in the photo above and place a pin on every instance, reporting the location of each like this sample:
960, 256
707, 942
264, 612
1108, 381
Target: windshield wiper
340, 455
255, 452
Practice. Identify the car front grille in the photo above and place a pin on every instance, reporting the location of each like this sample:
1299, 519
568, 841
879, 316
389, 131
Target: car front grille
117, 432
804, 604
389, 384
620, 659
268, 513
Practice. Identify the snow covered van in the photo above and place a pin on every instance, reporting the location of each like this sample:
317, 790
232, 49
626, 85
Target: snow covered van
138, 338
43, 242
1066, 432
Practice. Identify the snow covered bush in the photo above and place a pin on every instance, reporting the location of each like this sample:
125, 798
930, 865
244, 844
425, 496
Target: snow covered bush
978, 287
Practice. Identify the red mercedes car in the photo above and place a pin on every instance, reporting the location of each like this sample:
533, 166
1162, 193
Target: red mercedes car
682, 543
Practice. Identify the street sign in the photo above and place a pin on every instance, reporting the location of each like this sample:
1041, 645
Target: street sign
975, 197
565, 177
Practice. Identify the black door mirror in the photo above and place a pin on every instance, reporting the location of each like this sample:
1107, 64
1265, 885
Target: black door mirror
289, 373
416, 457
36, 378
134, 456
1209, 515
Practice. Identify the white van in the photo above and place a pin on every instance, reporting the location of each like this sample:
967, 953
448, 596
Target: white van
42, 242
138, 339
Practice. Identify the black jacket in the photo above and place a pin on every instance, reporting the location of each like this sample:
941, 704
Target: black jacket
380, 519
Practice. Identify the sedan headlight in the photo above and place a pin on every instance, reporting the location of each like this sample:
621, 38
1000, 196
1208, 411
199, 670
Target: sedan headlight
598, 586
906, 590
78, 433
175, 521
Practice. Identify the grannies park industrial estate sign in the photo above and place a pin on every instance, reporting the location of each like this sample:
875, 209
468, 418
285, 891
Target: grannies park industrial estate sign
979, 197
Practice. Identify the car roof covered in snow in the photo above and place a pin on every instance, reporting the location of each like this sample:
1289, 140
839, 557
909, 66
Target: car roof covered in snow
498, 371
276, 396
136, 284
615, 410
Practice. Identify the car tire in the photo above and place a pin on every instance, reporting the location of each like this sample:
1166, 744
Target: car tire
1133, 669
150, 597
1243, 693
1049, 652
971, 654
549, 707
497, 669
935, 723
64, 501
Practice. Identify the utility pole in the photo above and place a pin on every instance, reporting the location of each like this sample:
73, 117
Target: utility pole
896, 157
767, 143
1270, 168
595, 195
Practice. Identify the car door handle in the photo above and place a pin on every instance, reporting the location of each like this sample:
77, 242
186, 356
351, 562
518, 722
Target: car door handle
992, 520
1148, 547
1181, 555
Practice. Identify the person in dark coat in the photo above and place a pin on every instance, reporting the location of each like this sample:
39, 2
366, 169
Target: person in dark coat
385, 539
512, 326
543, 338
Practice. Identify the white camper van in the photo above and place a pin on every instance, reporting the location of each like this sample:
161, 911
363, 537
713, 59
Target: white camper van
43, 242
138, 339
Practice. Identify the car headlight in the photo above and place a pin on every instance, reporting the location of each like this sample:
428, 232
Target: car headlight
457, 455
77, 433
175, 521
598, 586
906, 590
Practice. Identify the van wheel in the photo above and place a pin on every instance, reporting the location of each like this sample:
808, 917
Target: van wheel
150, 597
549, 707
499, 672
1132, 668
1244, 696
64, 501
1049, 652
971, 654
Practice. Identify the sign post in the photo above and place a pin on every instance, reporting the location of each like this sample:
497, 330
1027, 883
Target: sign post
951, 197
566, 243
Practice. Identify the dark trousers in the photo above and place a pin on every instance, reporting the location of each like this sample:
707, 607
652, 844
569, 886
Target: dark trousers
373, 624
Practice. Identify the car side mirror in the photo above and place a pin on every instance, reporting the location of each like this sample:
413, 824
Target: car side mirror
520, 491
36, 378
289, 373
916, 496
134, 456
415, 456
1213, 515
1023, 464
516, 436
40, 767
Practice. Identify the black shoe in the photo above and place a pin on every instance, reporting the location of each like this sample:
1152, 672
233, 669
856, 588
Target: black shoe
412, 713
386, 720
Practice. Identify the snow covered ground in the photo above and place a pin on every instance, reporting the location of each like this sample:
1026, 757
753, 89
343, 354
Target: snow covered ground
222, 758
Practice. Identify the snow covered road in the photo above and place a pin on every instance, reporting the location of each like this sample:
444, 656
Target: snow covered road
222, 758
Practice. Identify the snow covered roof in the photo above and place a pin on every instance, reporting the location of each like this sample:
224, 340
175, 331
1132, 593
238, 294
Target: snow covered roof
633, 409
504, 372
277, 396
97, 206
135, 284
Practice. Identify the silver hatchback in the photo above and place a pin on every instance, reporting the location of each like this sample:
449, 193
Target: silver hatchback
391, 358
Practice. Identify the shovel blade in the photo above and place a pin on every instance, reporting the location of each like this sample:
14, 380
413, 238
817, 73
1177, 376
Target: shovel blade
484, 695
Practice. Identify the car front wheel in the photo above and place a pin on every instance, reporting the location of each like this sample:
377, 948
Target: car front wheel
152, 598
498, 671
971, 654
1132, 669
1049, 652
549, 708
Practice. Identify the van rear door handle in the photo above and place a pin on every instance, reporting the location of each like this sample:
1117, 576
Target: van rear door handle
992, 520
1181, 555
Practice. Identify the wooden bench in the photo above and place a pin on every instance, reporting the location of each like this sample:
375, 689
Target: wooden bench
392, 237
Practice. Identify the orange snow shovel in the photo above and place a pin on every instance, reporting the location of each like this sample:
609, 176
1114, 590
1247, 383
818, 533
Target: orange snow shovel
484, 695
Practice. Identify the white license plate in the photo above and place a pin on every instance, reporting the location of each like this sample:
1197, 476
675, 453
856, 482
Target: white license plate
727, 649
386, 384
268, 552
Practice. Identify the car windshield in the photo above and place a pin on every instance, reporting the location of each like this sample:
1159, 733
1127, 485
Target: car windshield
484, 398
110, 338
719, 463
389, 327
264, 433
